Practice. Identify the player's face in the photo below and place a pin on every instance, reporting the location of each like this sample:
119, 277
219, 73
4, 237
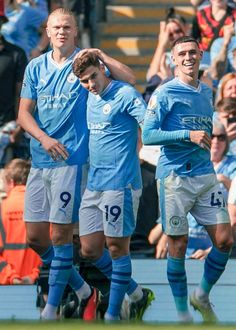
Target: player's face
62, 30
94, 79
187, 56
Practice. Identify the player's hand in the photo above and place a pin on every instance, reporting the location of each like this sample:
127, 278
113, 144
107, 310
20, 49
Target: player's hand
54, 148
224, 179
95, 51
201, 138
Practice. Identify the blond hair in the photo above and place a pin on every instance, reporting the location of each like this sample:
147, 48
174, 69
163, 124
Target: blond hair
17, 170
63, 11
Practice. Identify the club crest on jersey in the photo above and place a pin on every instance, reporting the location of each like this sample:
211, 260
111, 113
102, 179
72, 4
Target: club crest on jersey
71, 78
42, 81
137, 102
152, 103
106, 109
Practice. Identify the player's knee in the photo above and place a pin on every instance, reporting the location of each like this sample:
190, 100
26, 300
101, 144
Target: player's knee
225, 244
89, 252
117, 251
177, 246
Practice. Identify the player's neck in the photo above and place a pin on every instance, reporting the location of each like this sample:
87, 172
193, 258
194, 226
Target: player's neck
192, 81
61, 55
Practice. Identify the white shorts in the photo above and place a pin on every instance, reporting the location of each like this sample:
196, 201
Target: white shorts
54, 194
113, 212
199, 195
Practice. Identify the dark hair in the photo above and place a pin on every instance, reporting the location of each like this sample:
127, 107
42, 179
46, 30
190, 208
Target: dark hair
81, 63
227, 104
171, 15
185, 39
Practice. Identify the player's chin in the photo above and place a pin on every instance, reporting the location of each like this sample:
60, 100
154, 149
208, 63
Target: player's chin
94, 91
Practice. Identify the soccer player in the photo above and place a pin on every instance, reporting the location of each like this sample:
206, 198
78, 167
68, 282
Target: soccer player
179, 118
53, 111
109, 204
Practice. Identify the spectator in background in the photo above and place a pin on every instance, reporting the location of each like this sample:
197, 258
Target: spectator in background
226, 113
24, 23
173, 27
37, 38
226, 87
199, 4
19, 264
222, 52
209, 22
224, 164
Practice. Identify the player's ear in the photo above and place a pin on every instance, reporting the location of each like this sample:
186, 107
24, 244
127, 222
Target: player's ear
102, 67
172, 57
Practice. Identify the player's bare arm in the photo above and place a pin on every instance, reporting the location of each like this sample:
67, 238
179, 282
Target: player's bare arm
26, 120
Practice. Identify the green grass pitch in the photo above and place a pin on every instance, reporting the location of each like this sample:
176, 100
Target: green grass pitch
79, 325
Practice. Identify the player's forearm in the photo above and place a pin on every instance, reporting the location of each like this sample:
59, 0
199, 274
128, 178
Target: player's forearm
159, 137
28, 123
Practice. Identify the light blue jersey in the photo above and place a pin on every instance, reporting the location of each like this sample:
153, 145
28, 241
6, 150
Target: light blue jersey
61, 111
173, 111
113, 119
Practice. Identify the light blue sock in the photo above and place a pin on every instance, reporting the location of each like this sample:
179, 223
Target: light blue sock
75, 280
60, 271
178, 282
213, 268
121, 274
104, 264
